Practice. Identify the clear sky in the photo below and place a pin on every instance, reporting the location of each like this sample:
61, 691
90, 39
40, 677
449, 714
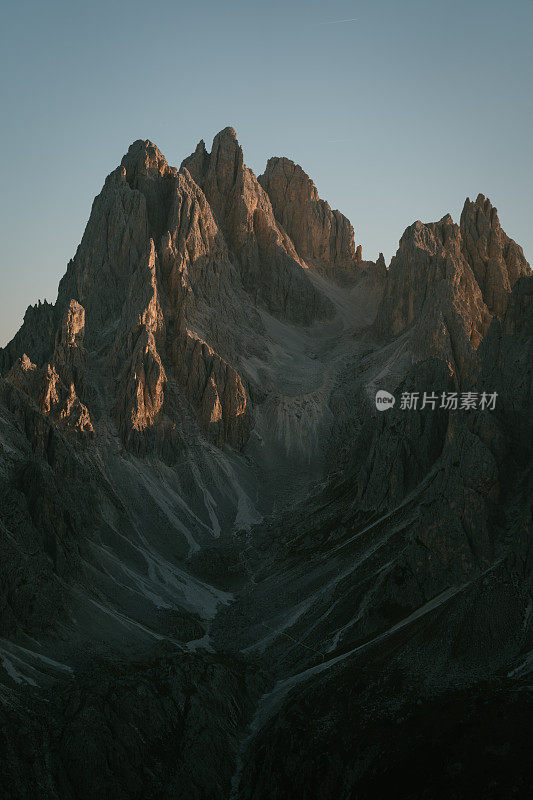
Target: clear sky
397, 110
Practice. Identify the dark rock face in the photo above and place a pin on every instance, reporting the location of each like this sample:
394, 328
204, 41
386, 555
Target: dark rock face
35, 337
448, 747
447, 282
151, 257
53, 387
322, 237
224, 573
127, 730
432, 288
496, 260
270, 266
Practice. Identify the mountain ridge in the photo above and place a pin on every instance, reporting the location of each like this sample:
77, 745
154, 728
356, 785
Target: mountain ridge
215, 549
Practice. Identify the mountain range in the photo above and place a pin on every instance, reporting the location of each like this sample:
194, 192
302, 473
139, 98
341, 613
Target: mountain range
225, 573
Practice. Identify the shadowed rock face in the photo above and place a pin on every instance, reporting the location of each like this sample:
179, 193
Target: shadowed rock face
172, 258
431, 288
35, 337
322, 237
496, 260
443, 577
152, 261
223, 572
446, 282
148, 172
269, 264
53, 386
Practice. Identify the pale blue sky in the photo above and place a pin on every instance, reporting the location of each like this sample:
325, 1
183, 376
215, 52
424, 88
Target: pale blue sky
398, 115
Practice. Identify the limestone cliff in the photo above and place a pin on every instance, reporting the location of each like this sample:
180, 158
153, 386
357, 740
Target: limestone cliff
322, 237
496, 260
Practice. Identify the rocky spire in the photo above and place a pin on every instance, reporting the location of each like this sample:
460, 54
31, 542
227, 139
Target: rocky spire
148, 172
322, 237
448, 281
220, 173
35, 337
270, 267
152, 267
431, 288
496, 260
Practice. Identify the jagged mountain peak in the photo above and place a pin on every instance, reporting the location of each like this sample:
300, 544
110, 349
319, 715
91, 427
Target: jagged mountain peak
204, 516
225, 145
322, 237
447, 281
226, 133
431, 236
270, 265
163, 294
219, 170
297, 180
144, 158
481, 202
172, 258
496, 260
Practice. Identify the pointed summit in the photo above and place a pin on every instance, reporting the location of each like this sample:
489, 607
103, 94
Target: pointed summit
322, 237
270, 266
496, 260
148, 171
431, 289
227, 133
219, 171
144, 158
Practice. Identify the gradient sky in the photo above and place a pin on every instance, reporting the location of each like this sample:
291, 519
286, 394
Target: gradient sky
397, 110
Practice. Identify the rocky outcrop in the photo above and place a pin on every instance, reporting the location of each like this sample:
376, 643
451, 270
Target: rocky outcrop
507, 367
148, 173
194, 256
269, 265
496, 260
447, 282
142, 390
73, 325
152, 259
216, 391
322, 237
201, 285
52, 387
35, 337
23, 375
431, 288
113, 243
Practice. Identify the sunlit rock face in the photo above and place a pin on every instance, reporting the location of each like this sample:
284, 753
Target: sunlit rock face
224, 573
270, 267
431, 289
496, 260
446, 283
53, 386
322, 237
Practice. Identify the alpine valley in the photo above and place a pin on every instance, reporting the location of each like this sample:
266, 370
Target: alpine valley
224, 573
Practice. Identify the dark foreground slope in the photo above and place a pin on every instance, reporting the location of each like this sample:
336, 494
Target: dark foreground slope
224, 573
